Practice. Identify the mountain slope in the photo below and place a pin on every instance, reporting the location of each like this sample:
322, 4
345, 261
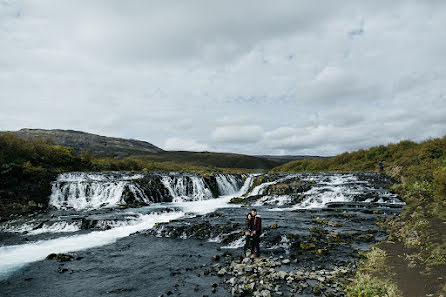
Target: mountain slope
118, 148
98, 145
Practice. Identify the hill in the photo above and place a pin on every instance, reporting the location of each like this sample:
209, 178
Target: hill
223, 160
98, 145
282, 159
119, 148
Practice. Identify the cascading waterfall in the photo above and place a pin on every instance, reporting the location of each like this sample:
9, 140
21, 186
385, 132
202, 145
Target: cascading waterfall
90, 191
81, 190
260, 189
186, 188
227, 184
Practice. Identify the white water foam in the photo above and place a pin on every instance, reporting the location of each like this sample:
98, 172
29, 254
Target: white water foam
92, 191
57, 227
334, 188
207, 206
278, 200
180, 191
260, 189
15, 256
236, 244
226, 184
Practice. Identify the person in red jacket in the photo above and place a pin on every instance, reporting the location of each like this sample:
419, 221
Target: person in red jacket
256, 227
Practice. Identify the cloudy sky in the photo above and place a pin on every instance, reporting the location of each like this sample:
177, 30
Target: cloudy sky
255, 77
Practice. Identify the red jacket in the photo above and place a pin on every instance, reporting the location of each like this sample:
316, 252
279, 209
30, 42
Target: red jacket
256, 225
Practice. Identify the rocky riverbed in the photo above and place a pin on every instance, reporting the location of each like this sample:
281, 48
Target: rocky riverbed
315, 227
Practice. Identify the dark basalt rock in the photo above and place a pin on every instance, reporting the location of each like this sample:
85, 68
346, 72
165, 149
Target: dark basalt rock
60, 257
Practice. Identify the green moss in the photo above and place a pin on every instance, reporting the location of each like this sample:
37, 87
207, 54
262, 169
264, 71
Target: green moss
236, 200
307, 246
160, 223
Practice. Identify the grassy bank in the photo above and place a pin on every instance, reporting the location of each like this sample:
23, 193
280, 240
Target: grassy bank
412, 262
27, 168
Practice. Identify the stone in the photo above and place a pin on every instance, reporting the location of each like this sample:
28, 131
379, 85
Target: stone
222, 272
282, 274
286, 261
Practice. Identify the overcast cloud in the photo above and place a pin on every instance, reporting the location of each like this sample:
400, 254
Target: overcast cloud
255, 77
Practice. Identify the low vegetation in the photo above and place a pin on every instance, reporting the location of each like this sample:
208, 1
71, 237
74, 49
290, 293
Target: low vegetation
419, 170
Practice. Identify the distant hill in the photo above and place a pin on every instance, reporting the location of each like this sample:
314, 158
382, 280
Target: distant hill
223, 160
288, 158
98, 145
119, 148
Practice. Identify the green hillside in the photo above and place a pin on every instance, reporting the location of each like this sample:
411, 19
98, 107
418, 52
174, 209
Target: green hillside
226, 160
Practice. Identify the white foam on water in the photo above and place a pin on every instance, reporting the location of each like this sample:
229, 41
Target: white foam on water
260, 189
217, 239
236, 244
278, 200
226, 184
8, 227
211, 205
336, 189
180, 190
57, 227
92, 194
15, 256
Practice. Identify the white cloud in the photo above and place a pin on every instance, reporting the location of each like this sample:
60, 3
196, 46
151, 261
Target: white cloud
238, 134
253, 77
181, 144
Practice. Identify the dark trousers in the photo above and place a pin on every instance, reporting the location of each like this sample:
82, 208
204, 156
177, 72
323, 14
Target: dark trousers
256, 244
247, 243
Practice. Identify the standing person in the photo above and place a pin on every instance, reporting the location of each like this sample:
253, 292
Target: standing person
248, 232
256, 223
381, 166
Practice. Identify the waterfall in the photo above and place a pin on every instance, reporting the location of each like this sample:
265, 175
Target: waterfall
93, 190
90, 190
186, 188
227, 184
260, 189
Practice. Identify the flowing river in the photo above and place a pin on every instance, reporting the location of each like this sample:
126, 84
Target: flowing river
130, 232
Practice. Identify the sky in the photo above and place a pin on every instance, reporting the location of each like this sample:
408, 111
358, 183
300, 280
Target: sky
253, 77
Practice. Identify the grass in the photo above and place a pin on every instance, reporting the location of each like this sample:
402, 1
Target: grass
366, 285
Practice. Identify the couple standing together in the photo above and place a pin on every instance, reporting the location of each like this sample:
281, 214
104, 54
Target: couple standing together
252, 233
